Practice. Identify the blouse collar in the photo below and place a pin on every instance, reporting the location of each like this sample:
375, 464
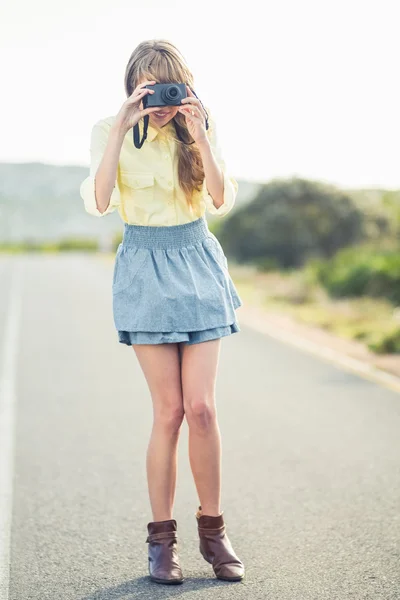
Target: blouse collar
152, 132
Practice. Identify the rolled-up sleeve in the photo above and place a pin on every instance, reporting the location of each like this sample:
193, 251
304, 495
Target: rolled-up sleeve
230, 184
98, 142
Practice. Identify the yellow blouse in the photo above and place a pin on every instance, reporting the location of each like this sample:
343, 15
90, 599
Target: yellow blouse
147, 190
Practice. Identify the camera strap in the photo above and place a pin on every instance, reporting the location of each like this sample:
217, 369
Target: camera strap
136, 133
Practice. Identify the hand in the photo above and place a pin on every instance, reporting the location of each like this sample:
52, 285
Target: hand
195, 117
132, 109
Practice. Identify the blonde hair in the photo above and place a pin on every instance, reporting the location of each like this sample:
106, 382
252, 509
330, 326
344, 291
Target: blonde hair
161, 61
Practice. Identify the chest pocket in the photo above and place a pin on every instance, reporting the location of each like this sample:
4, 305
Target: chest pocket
139, 186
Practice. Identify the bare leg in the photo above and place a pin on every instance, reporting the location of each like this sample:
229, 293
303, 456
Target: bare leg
199, 367
161, 367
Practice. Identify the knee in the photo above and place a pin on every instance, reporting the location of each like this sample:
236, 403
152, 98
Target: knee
200, 413
169, 417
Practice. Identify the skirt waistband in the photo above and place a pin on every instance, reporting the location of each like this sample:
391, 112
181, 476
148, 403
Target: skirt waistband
170, 236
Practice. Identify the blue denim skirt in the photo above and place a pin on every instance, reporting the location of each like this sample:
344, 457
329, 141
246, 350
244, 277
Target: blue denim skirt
172, 284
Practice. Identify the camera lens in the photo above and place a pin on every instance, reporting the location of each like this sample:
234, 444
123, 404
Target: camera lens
171, 94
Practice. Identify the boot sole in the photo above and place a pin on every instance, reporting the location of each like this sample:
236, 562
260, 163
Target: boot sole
167, 581
238, 578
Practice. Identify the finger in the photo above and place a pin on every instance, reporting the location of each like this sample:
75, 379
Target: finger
137, 95
191, 110
139, 87
195, 102
146, 91
191, 100
145, 82
140, 94
193, 106
193, 118
187, 111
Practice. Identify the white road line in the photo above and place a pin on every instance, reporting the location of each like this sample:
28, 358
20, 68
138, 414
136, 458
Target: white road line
7, 422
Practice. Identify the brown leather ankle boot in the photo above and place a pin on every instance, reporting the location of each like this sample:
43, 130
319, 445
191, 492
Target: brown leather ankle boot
216, 547
164, 564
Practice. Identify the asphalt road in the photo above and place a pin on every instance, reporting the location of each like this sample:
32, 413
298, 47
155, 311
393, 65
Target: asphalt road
311, 475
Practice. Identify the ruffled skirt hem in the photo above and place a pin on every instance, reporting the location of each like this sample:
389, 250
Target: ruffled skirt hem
168, 337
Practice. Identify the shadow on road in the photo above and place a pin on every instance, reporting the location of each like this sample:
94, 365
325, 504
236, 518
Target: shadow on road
143, 587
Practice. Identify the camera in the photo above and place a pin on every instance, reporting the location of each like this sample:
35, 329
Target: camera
165, 94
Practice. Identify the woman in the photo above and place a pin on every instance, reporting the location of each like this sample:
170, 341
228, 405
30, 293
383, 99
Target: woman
173, 297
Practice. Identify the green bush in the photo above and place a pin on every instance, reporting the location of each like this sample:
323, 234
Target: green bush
387, 343
266, 263
361, 272
290, 222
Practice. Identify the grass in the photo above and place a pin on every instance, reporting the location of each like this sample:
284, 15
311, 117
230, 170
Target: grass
375, 322
66, 245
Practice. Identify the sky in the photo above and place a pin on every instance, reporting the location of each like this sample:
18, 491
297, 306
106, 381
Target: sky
297, 88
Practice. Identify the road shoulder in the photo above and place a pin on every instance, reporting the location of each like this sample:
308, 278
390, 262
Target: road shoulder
349, 354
